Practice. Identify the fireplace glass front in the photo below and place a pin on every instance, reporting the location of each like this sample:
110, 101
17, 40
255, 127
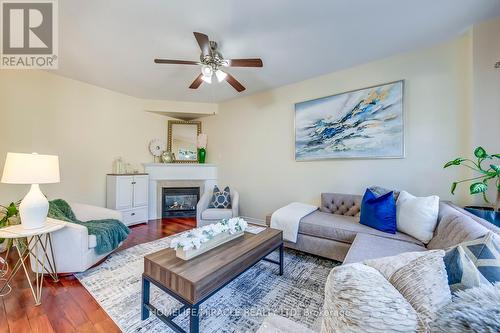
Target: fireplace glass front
179, 201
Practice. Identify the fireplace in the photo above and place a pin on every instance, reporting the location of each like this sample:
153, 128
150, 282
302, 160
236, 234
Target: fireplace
179, 201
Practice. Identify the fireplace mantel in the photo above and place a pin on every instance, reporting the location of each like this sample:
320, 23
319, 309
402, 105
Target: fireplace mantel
176, 175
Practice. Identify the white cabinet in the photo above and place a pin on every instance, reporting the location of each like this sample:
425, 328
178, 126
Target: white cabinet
141, 191
128, 194
124, 192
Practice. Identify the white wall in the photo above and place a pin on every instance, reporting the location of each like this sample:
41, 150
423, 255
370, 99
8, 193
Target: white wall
87, 126
252, 138
486, 52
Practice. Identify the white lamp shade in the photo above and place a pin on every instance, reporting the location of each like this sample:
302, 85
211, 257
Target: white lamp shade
30, 169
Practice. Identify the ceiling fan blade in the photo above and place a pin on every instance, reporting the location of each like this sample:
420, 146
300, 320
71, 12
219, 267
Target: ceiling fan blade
203, 41
235, 83
197, 82
245, 62
176, 62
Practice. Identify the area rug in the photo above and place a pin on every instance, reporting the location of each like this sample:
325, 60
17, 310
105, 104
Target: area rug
241, 306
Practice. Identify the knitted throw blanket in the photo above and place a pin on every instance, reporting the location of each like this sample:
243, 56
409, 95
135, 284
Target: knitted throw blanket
109, 233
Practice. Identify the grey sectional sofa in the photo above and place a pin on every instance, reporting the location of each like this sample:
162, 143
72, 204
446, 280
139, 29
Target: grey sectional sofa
334, 231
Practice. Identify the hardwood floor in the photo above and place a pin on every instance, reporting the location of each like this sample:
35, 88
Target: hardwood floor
66, 305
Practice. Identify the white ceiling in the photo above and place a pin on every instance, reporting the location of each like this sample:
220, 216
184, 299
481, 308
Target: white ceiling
112, 43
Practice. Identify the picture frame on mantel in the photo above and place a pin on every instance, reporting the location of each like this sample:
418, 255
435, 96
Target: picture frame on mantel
366, 123
182, 137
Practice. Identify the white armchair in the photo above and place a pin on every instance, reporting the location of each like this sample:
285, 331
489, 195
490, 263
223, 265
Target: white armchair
74, 248
205, 215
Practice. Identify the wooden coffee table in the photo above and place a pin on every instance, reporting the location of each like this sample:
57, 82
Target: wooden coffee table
192, 282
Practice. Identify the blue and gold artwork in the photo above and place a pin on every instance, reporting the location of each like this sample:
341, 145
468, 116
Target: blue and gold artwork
365, 123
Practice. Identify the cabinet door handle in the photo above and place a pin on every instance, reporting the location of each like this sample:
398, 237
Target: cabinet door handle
132, 214
133, 182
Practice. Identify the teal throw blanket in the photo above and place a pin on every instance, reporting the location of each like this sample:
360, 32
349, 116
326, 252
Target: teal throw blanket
109, 233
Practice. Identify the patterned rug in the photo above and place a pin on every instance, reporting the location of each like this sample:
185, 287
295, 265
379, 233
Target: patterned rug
241, 306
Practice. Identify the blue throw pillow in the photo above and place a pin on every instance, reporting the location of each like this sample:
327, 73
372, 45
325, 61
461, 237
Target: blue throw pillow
379, 212
462, 273
220, 199
485, 253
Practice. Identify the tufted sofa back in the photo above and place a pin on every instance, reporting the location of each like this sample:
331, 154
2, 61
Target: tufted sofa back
341, 204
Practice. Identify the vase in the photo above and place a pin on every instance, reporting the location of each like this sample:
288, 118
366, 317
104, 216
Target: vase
202, 154
167, 157
485, 213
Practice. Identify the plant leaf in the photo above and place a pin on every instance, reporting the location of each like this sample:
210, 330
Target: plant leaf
12, 210
480, 152
496, 168
456, 161
496, 155
453, 187
478, 188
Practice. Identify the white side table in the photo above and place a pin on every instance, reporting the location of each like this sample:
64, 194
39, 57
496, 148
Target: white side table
37, 240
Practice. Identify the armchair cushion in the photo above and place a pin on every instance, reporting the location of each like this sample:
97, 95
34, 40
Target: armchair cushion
216, 214
220, 199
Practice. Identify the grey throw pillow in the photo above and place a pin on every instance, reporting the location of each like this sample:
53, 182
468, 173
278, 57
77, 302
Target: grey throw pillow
220, 199
379, 190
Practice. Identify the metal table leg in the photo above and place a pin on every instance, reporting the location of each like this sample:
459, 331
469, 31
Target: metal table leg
281, 259
194, 319
24, 251
145, 299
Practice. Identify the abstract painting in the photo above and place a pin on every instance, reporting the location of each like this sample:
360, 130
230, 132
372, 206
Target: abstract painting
364, 123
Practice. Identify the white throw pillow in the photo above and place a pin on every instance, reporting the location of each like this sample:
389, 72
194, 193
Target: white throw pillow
423, 282
417, 216
359, 299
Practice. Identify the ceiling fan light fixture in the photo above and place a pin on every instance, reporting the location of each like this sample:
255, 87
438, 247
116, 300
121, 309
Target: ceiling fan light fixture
206, 79
211, 61
221, 76
206, 70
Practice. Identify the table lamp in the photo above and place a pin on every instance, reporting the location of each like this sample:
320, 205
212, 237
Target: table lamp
32, 169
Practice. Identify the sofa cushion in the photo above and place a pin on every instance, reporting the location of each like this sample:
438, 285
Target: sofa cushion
367, 247
389, 265
359, 299
424, 284
485, 253
379, 190
455, 228
417, 216
379, 212
216, 214
343, 228
462, 273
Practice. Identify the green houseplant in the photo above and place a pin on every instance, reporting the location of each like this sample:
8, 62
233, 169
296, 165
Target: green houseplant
9, 216
485, 176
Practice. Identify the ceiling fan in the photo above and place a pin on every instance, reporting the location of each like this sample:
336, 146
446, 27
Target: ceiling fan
211, 61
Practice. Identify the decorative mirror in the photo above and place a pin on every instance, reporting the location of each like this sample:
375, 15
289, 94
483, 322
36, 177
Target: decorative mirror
182, 136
